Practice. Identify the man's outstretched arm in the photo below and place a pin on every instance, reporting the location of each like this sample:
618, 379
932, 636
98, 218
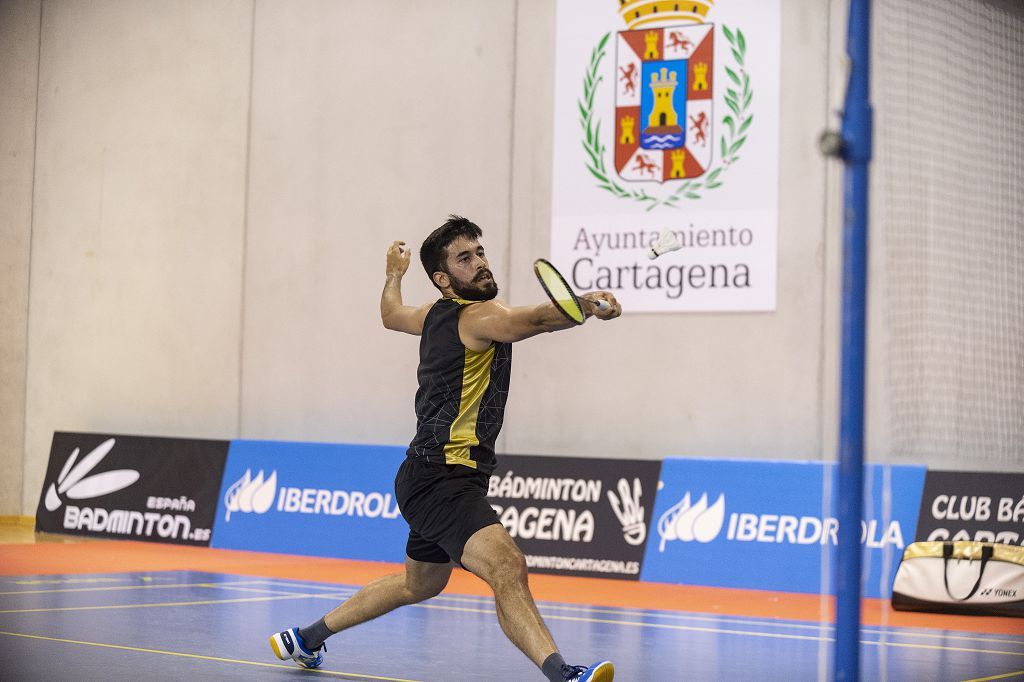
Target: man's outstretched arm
395, 315
495, 321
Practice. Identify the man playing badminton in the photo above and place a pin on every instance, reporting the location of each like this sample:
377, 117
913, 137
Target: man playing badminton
465, 361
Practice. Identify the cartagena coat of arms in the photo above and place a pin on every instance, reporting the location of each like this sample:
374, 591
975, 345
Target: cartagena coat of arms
662, 134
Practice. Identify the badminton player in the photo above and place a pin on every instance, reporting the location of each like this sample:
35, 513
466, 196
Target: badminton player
465, 360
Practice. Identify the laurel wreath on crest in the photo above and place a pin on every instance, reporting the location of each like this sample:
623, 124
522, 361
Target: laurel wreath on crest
736, 124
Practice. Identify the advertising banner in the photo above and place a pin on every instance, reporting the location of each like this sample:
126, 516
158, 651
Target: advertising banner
772, 525
666, 134
577, 516
964, 505
312, 499
131, 487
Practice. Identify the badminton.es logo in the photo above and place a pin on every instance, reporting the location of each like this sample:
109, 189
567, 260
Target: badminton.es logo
73, 484
663, 126
629, 511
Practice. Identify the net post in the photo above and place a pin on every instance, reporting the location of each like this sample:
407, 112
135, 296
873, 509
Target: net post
856, 134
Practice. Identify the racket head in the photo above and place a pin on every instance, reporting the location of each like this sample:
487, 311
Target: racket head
559, 291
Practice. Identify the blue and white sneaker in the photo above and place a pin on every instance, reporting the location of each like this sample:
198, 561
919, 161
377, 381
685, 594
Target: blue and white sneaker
288, 644
603, 671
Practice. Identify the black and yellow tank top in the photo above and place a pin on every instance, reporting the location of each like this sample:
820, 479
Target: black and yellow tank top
460, 403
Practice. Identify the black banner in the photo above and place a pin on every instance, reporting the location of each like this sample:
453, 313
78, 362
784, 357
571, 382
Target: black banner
965, 505
576, 516
132, 487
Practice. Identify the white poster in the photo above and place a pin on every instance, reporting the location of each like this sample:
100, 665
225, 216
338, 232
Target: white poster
666, 136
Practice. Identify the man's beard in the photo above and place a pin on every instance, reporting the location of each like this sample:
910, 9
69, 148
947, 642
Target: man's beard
476, 290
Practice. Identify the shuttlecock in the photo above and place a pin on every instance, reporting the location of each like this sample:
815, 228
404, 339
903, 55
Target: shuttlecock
667, 241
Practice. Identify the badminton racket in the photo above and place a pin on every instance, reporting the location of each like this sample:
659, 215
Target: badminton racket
560, 293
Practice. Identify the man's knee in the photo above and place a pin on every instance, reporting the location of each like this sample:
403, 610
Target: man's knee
421, 591
423, 585
506, 566
492, 555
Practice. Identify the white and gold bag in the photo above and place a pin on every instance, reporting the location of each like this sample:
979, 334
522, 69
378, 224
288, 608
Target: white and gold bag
981, 578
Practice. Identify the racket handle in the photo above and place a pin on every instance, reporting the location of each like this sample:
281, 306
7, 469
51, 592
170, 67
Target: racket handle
601, 305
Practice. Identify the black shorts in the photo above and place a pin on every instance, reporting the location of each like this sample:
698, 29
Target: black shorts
444, 504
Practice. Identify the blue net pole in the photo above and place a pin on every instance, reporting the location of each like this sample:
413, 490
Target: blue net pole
856, 152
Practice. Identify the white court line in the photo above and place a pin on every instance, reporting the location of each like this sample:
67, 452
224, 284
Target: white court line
1004, 676
236, 585
335, 595
130, 587
490, 612
313, 595
321, 671
332, 593
746, 633
735, 620
58, 609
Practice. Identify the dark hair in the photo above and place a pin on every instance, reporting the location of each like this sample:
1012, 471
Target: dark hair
434, 251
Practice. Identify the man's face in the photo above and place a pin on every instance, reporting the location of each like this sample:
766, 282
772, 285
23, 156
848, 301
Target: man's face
468, 272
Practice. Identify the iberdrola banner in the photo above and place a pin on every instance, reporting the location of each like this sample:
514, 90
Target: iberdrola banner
666, 132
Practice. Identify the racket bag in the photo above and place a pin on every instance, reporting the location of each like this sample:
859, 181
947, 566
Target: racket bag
978, 578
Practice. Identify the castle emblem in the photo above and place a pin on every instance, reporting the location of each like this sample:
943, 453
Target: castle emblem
664, 83
661, 142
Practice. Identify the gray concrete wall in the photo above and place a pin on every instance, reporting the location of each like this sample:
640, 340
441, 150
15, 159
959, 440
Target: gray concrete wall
371, 122
137, 240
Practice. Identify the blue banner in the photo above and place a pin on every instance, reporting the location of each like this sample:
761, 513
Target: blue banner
765, 525
311, 499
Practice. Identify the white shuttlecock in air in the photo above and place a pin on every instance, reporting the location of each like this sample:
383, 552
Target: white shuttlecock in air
667, 241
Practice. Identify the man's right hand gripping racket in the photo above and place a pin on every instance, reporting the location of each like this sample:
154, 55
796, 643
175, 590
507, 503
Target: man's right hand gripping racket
560, 293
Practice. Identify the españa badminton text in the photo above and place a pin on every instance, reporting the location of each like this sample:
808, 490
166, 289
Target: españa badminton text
173, 503
128, 522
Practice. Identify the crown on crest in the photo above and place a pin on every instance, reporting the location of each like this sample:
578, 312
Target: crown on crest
640, 13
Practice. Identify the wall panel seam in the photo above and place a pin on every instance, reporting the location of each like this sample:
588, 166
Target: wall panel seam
28, 285
502, 438
245, 224
512, 139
